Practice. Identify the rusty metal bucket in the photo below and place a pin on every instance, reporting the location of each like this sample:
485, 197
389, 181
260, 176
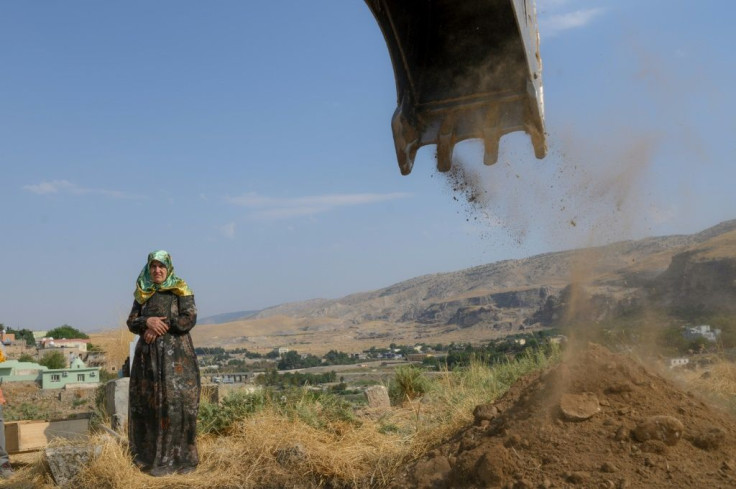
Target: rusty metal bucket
464, 69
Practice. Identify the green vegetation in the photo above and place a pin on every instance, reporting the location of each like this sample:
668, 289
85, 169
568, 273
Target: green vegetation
218, 418
292, 360
273, 379
24, 334
220, 352
25, 357
106, 375
314, 408
26, 410
80, 402
53, 360
496, 351
66, 332
334, 357
449, 396
409, 383
217, 350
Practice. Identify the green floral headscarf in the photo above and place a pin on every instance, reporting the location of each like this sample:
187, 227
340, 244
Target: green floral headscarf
145, 287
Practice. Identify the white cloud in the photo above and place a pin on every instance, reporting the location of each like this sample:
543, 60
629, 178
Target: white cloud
554, 24
228, 230
274, 208
67, 187
49, 187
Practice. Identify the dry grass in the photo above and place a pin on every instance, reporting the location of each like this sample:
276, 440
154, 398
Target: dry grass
277, 447
266, 450
723, 246
115, 343
249, 457
717, 383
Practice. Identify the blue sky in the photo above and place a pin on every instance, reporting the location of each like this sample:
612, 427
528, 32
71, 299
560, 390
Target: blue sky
252, 141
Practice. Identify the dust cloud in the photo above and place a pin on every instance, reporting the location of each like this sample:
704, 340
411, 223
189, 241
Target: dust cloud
589, 193
597, 184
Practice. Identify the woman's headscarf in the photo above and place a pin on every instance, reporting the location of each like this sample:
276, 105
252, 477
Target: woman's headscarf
145, 286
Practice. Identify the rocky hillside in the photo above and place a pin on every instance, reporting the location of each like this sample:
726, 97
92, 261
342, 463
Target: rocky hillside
459, 297
503, 297
702, 276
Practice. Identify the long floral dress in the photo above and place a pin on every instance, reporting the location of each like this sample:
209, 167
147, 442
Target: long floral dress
164, 388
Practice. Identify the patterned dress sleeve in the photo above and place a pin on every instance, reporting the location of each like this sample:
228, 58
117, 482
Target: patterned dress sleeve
136, 322
187, 317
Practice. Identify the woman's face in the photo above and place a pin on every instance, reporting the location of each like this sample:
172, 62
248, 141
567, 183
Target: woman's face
158, 272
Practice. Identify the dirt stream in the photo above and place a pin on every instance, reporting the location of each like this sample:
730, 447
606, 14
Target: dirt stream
597, 420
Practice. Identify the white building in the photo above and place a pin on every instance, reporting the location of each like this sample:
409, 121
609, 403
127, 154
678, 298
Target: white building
76, 343
701, 331
678, 362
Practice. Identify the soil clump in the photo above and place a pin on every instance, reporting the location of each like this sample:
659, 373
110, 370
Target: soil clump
597, 420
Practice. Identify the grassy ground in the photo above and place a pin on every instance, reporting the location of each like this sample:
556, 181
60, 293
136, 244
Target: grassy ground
306, 439
716, 382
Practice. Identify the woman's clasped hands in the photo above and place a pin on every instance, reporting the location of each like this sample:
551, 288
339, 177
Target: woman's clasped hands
156, 326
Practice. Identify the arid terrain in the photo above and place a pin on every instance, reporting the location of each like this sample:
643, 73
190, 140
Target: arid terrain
497, 299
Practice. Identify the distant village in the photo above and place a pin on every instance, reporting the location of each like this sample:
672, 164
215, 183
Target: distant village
79, 367
82, 366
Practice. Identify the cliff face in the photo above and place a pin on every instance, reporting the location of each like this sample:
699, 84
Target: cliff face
469, 311
697, 281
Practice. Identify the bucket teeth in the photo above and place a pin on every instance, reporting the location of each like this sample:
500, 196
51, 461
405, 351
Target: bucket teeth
490, 146
446, 143
406, 139
491, 136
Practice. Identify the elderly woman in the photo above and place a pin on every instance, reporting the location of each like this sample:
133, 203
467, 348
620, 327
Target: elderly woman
164, 376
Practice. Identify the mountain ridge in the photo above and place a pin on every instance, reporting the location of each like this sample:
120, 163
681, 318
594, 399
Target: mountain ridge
486, 300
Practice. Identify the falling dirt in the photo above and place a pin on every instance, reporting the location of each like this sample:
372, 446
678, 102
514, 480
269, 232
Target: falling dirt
585, 193
598, 420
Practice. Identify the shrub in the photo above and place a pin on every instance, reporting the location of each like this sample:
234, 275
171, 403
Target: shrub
237, 405
25, 357
53, 360
409, 382
26, 410
106, 375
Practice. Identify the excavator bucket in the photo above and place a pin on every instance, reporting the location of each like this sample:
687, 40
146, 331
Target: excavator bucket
464, 69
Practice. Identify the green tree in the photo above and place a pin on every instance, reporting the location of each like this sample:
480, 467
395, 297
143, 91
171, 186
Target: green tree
290, 361
53, 360
293, 359
66, 332
25, 334
335, 357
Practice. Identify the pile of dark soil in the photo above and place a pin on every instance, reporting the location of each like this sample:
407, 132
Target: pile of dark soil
597, 420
